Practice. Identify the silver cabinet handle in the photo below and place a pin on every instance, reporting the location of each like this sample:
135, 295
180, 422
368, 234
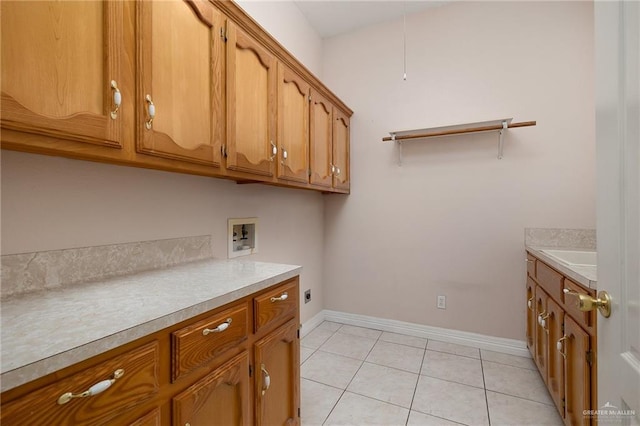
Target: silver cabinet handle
283, 296
267, 379
338, 171
333, 168
530, 304
117, 99
219, 329
151, 111
285, 154
93, 390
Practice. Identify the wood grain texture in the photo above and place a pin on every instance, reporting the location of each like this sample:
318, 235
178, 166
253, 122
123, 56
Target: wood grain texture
140, 382
279, 353
251, 104
267, 312
578, 374
321, 152
153, 418
293, 126
62, 57
341, 144
192, 349
221, 398
550, 280
177, 43
555, 360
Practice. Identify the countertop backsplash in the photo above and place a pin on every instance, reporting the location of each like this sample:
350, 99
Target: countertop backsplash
560, 238
29, 272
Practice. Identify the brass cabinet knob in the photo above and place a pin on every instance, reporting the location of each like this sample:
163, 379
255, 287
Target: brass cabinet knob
587, 303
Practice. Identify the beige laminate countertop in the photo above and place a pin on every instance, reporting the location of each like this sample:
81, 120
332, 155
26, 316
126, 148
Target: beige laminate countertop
49, 330
585, 275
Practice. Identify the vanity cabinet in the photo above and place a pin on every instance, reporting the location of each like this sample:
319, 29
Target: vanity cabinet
62, 76
562, 340
238, 364
189, 86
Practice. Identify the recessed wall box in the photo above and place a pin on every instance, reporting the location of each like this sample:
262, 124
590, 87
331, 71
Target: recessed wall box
243, 236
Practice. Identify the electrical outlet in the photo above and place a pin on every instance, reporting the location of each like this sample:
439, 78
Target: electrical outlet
307, 296
442, 302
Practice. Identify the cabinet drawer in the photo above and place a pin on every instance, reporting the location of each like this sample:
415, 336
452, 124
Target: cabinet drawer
585, 319
201, 342
275, 305
550, 280
137, 383
531, 265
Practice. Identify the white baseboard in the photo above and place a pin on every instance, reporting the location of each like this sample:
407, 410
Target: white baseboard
312, 323
480, 341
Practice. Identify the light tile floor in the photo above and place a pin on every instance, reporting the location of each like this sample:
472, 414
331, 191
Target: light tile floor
359, 376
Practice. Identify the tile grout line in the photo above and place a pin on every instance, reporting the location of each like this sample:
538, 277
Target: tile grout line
415, 389
356, 373
484, 384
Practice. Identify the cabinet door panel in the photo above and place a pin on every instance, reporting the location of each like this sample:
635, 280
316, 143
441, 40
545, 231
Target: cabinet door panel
578, 374
321, 119
277, 359
555, 360
542, 342
59, 59
531, 316
180, 70
251, 104
341, 150
221, 398
293, 126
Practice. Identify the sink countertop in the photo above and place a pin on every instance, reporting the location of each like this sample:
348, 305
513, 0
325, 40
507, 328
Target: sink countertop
582, 274
49, 330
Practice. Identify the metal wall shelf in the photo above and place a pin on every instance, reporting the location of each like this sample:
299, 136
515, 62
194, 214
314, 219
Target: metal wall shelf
458, 129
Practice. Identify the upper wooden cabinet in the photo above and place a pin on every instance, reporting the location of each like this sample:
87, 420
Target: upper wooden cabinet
251, 104
61, 71
321, 140
341, 162
293, 126
191, 86
179, 85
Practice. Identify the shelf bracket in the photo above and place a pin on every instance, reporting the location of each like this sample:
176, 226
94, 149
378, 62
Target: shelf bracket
399, 147
505, 125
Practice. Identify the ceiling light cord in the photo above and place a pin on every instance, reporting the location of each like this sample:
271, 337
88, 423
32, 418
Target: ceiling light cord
404, 39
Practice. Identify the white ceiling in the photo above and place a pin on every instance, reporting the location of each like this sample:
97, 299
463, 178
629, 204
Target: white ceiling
333, 17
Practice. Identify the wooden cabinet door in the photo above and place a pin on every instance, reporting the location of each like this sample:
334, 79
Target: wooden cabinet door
152, 418
578, 373
531, 316
180, 54
221, 398
277, 383
340, 150
293, 126
554, 325
321, 121
542, 343
251, 105
59, 60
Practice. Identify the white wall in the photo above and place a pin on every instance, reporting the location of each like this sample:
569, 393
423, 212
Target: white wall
451, 220
286, 23
55, 203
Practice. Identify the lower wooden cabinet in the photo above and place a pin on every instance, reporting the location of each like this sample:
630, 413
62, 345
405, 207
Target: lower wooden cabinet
212, 369
562, 341
221, 398
276, 356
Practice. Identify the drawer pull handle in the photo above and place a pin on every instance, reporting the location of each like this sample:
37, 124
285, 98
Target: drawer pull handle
222, 327
283, 296
267, 379
93, 390
274, 151
151, 110
559, 346
117, 99
530, 304
529, 260
540, 316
